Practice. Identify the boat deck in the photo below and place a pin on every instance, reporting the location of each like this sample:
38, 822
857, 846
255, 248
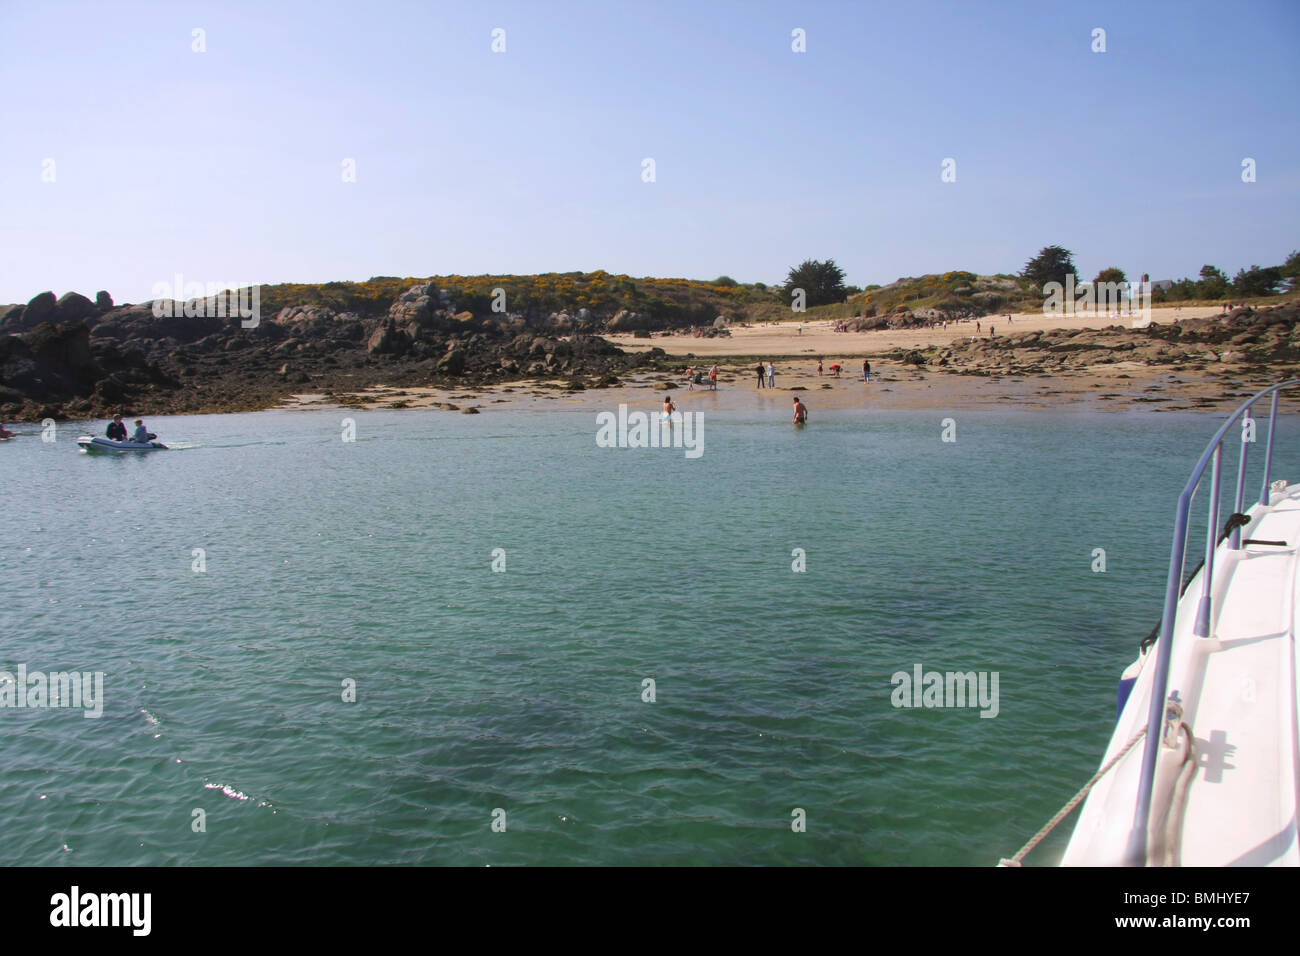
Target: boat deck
1238, 688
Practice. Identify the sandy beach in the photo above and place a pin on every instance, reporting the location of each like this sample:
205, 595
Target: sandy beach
1115, 386
783, 339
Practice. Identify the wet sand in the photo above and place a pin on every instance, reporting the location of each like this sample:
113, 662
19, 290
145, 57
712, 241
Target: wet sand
1115, 387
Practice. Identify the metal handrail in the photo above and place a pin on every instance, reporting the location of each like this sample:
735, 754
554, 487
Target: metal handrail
1136, 852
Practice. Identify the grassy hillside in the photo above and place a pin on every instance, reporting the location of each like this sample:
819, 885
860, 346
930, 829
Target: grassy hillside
673, 301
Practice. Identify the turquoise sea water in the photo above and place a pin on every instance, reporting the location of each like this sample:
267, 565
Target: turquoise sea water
371, 561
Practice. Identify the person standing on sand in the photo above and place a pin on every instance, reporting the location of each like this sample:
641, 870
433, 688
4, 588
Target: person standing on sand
760, 374
977, 326
801, 328
771, 375
819, 366
991, 331
690, 379
800, 412
669, 407
835, 369
713, 377
866, 371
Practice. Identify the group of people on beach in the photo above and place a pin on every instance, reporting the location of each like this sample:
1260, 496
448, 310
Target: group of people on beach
695, 376
835, 369
765, 372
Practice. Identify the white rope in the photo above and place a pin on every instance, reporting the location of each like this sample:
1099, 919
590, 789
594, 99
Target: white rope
1069, 807
1173, 834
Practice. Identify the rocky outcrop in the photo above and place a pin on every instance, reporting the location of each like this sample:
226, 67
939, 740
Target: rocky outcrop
73, 306
1247, 337
625, 321
388, 340
70, 307
901, 319
56, 367
39, 309
129, 359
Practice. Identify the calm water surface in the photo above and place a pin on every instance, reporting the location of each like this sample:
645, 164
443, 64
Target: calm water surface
371, 561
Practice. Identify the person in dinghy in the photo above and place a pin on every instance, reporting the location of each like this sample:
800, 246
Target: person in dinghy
142, 435
116, 430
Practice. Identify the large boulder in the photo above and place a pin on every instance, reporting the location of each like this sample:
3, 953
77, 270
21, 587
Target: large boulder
39, 309
626, 321
49, 362
416, 304
453, 363
309, 321
137, 322
103, 301
388, 340
72, 307
66, 347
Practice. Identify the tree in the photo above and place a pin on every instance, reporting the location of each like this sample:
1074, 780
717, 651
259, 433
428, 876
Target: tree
1052, 264
1256, 281
724, 280
1213, 284
1112, 274
822, 282
1291, 271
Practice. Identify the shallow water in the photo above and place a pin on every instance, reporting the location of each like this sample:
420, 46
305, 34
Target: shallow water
371, 561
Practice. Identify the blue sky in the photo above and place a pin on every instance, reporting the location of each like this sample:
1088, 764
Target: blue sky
226, 165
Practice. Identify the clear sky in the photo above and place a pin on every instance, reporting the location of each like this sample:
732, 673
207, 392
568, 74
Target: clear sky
227, 165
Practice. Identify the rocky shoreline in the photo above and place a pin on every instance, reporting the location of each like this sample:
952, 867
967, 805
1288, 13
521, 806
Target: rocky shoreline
73, 358
1243, 341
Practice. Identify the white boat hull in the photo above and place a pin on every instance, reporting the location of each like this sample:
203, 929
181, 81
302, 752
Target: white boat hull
88, 444
1237, 805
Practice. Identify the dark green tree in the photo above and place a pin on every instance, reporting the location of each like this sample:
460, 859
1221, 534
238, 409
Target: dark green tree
1052, 264
1256, 281
1111, 274
822, 282
1213, 284
1291, 271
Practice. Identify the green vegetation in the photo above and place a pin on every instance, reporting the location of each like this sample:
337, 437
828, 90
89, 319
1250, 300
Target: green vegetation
954, 293
1052, 264
683, 302
674, 301
822, 283
1248, 284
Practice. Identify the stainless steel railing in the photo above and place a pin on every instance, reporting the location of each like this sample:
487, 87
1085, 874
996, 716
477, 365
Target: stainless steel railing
1137, 845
